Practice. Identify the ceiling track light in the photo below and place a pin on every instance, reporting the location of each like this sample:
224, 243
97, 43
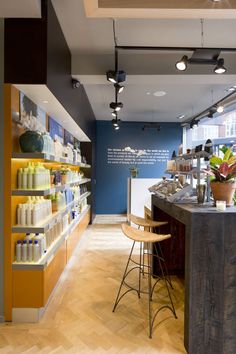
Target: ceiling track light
114, 114
181, 65
220, 108
119, 88
220, 69
116, 106
116, 76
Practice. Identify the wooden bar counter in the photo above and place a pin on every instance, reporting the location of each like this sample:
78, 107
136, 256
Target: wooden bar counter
210, 274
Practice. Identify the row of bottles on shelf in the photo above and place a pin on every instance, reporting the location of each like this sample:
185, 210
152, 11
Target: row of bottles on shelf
34, 211
37, 209
179, 165
36, 176
34, 246
31, 249
57, 149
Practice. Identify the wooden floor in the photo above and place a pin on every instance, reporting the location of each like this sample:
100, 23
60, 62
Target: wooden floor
79, 318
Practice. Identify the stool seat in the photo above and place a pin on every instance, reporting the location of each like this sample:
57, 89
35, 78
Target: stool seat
145, 222
142, 236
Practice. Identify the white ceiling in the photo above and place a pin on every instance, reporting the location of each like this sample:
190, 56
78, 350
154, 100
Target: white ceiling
91, 44
26, 8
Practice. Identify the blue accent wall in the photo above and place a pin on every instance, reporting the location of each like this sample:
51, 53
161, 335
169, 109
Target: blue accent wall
111, 189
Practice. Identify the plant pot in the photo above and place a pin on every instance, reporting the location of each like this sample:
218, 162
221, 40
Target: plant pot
63, 179
54, 206
134, 172
31, 141
52, 178
223, 191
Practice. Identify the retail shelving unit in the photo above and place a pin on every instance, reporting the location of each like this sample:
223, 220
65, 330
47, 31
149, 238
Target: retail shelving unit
28, 286
194, 171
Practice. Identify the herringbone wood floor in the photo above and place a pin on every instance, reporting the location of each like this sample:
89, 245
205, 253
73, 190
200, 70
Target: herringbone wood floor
79, 318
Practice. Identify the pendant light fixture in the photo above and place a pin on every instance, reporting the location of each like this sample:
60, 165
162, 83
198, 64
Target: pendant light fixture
116, 77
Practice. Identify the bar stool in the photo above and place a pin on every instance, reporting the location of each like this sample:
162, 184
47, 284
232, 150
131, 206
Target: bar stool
150, 238
151, 225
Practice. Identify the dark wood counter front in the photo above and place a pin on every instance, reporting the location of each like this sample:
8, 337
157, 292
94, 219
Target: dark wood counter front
210, 275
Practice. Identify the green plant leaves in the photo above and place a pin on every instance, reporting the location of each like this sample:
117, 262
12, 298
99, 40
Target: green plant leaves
215, 160
227, 154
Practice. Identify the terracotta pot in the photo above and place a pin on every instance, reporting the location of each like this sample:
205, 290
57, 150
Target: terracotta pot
223, 191
63, 179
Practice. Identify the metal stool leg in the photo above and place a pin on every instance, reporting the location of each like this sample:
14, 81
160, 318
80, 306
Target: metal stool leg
149, 291
165, 267
167, 286
118, 298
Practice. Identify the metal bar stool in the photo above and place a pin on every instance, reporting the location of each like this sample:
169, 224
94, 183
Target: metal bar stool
150, 238
151, 225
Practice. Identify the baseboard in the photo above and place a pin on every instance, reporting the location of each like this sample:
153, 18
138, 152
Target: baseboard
27, 315
109, 218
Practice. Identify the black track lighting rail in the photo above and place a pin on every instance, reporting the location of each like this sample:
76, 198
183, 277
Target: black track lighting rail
174, 49
208, 110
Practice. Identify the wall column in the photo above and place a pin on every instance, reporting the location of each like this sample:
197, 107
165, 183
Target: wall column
1, 164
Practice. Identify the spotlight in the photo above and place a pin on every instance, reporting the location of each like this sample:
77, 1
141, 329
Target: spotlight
220, 109
220, 69
116, 76
116, 106
75, 83
114, 114
210, 114
182, 64
115, 123
119, 88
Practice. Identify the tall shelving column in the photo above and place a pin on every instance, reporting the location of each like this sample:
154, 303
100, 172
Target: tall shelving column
28, 286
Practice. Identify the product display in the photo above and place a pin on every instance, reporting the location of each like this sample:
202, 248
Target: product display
34, 212
34, 176
48, 144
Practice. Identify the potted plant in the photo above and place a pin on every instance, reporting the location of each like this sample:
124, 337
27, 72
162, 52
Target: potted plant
223, 172
63, 176
133, 171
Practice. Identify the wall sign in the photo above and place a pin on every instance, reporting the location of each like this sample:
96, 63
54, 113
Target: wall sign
131, 146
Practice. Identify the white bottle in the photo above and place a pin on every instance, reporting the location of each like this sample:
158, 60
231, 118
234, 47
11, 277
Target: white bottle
35, 214
39, 238
25, 178
28, 237
19, 211
30, 251
36, 251
20, 178
23, 215
18, 251
30, 183
29, 215
24, 251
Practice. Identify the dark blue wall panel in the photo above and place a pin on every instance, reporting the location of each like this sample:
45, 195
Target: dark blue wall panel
111, 190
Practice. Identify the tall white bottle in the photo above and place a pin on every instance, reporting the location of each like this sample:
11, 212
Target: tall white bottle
30, 251
36, 251
20, 178
24, 251
18, 251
